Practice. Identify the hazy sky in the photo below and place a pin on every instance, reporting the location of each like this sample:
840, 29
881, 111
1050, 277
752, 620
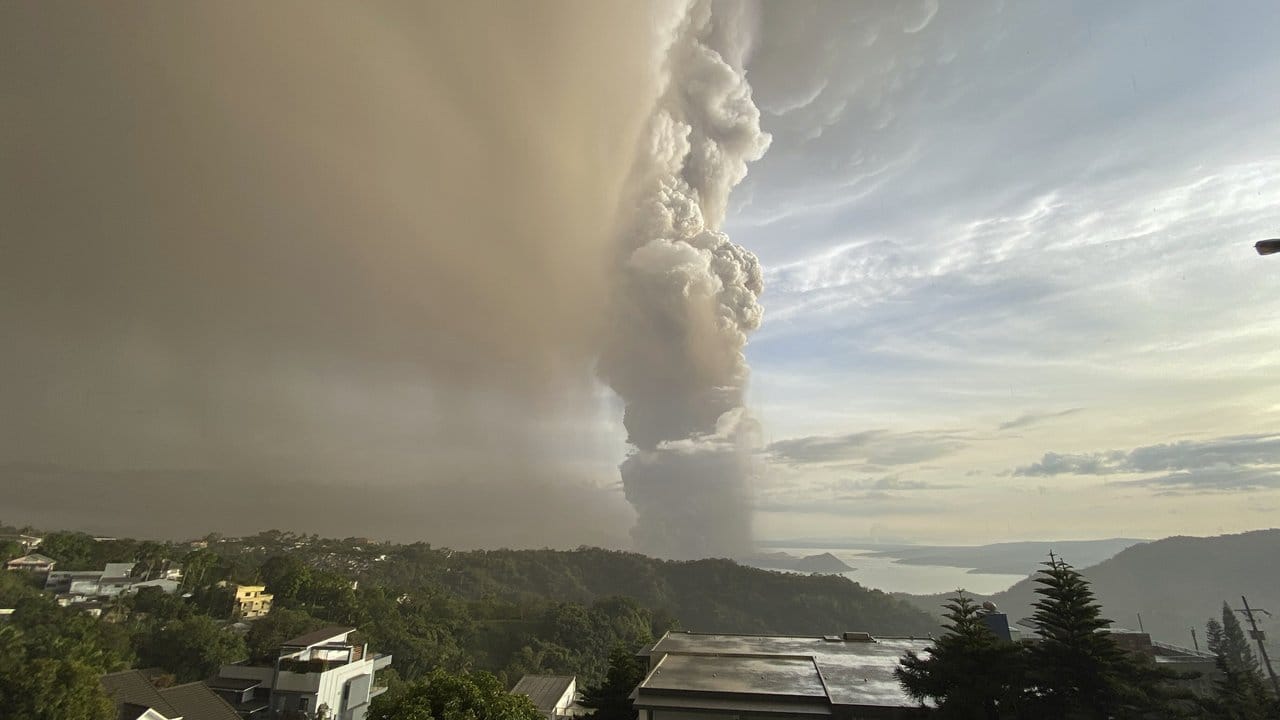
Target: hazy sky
1010, 287
348, 269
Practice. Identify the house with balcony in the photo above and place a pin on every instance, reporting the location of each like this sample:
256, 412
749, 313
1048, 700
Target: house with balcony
251, 601
325, 673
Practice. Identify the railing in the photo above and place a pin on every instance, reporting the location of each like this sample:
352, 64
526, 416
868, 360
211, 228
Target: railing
309, 666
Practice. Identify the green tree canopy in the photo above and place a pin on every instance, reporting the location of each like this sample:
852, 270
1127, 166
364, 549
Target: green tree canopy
191, 649
611, 698
72, 550
1076, 670
446, 696
1239, 694
43, 688
969, 672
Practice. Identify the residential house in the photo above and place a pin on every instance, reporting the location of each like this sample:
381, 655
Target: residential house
28, 542
320, 672
137, 699
713, 676
1196, 671
252, 601
555, 696
35, 562
80, 585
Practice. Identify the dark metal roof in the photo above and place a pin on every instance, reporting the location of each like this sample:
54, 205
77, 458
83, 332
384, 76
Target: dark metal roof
195, 701
317, 637
543, 690
131, 687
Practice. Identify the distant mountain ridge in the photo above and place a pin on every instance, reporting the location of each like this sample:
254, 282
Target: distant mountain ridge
1006, 558
1175, 584
1011, 558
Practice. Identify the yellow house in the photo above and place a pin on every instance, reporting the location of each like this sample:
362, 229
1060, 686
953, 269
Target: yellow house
252, 601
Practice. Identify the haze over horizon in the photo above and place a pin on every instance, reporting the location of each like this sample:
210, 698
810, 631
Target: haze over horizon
400, 270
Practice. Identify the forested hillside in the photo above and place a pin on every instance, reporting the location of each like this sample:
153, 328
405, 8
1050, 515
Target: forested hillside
507, 611
1176, 583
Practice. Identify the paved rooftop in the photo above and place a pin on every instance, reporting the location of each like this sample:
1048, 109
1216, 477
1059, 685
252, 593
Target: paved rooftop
849, 672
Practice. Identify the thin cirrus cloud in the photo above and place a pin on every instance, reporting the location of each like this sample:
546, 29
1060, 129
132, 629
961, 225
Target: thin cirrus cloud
1213, 480
1029, 419
871, 447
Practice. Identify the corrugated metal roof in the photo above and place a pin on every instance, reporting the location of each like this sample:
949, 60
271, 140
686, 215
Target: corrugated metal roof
543, 690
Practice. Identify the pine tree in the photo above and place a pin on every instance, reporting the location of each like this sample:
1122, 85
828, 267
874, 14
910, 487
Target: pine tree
1239, 694
969, 672
1214, 635
1235, 646
611, 699
1077, 670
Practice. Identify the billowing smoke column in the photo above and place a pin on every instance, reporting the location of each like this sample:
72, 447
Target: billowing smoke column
687, 299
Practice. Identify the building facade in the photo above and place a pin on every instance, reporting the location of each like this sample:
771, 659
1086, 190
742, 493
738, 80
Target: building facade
252, 601
320, 674
35, 562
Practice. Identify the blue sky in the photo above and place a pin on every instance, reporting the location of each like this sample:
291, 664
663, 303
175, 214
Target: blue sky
1015, 231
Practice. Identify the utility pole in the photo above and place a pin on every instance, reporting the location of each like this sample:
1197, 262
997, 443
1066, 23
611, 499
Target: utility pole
1194, 641
1259, 637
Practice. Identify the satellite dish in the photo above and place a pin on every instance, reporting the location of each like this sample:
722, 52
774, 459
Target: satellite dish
989, 606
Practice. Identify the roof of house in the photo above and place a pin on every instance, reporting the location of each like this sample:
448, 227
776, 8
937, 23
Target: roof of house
131, 690
131, 687
33, 558
195, 701
544, 690
848, 672
319, 636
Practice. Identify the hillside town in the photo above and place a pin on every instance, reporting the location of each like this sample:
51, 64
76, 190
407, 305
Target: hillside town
225, 628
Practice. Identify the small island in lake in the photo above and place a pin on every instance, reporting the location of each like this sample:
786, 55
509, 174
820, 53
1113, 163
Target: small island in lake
821, 563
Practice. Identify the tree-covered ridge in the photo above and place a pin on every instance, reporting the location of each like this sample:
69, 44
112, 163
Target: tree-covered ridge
1072, 669
507, 612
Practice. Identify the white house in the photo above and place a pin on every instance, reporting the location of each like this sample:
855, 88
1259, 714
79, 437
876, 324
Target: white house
110, 581
324, 670
555, 696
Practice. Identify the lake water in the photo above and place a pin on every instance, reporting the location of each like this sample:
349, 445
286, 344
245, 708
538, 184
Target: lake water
885, 573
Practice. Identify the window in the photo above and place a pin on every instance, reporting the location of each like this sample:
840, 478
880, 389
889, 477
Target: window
303, 702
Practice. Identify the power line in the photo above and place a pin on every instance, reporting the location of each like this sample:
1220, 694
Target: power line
1259, 637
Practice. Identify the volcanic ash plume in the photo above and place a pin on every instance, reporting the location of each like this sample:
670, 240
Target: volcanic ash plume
687, 299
